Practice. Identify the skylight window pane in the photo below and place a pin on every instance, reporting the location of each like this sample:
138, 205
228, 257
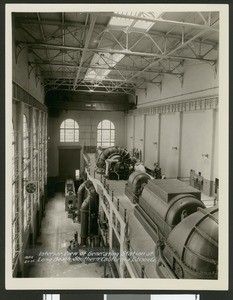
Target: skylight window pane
120, 22
108, 60
143, 25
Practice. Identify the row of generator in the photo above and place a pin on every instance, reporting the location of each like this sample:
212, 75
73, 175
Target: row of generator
184, 230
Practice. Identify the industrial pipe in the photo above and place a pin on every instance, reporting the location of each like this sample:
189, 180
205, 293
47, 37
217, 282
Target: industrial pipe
85, 211
80, 193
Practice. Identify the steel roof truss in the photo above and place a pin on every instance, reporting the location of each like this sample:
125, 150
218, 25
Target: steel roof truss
88, 37
169, 52
76, 49
115, 39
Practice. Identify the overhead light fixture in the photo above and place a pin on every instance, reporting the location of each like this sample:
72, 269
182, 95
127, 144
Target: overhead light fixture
91, 90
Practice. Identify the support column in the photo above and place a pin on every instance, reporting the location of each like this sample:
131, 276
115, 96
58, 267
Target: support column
133, 120
159, 138
179, 142
144, 138
212, 144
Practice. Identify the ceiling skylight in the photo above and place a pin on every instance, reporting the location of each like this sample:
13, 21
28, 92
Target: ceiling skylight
132, 23
102, 63
105, 61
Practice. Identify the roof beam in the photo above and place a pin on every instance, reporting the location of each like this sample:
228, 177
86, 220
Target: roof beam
97, 80
123, 69
102, 50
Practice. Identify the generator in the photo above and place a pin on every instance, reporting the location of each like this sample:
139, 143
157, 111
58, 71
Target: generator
184, 230
114, 163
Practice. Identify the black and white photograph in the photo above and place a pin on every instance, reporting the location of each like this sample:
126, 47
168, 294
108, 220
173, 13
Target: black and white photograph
117, 146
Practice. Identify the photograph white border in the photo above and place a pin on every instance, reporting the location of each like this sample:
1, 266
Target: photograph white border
128, 284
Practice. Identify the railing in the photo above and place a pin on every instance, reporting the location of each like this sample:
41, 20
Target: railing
119, 222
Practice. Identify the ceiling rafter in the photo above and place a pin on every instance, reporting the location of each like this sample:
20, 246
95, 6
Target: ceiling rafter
139, 56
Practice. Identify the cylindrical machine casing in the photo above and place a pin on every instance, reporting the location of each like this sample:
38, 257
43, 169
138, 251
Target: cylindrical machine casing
84, 212
136, 182
136, 179
164, 204
89, 213
80, 194
192, 246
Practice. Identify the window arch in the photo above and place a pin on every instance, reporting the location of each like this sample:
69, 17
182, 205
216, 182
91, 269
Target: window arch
105, 134
69, 131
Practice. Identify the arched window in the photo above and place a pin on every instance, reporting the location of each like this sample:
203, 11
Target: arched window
25, 171
35, 158
14, 220
105, 134
69, 131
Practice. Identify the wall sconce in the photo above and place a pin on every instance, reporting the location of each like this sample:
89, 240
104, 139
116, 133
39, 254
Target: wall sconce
174, 148
205, 155
155, 143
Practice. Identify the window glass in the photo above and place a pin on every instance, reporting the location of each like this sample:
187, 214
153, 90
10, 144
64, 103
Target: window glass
69, 131
105, 134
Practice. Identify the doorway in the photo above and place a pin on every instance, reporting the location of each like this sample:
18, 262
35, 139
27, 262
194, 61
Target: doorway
69, 162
